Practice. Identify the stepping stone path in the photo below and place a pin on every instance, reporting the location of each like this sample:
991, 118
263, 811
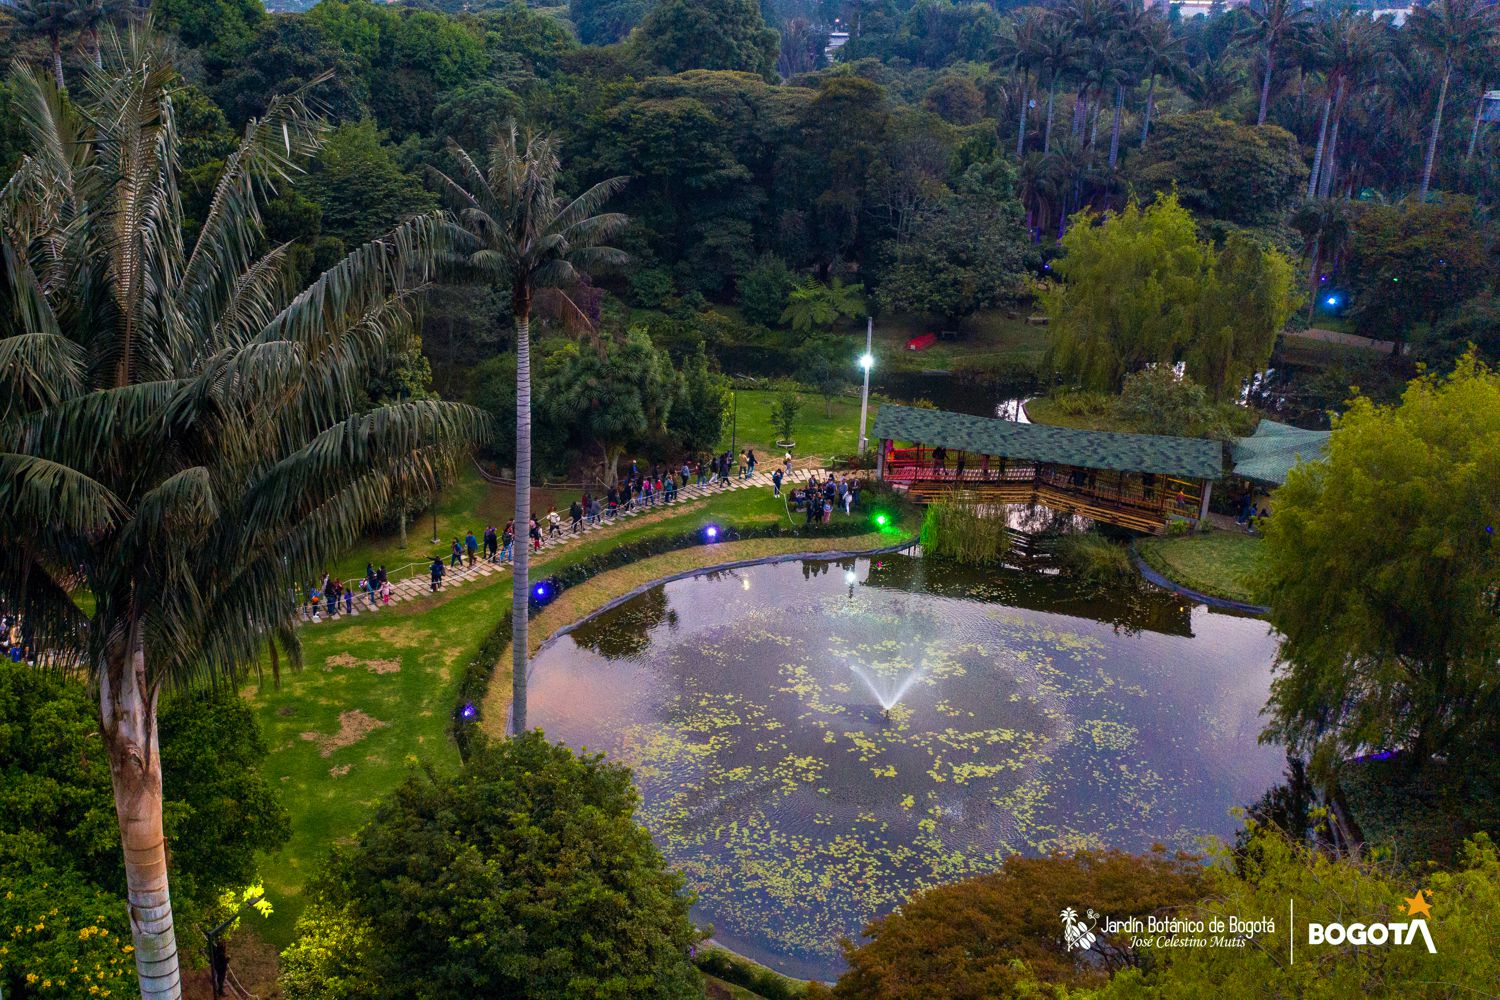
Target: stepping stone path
456, 576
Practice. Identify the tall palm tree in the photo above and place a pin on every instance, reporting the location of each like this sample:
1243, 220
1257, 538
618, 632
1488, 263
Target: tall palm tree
519, 231
1214, 80
1023, 47
1272, 22
1452, 31
185, 436
1162, 52
49, 20
1347, 46
1058, 49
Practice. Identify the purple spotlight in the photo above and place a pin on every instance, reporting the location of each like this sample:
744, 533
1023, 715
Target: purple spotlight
468, 713
540, 590
712, 532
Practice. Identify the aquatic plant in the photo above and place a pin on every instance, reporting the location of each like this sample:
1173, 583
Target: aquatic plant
955, 530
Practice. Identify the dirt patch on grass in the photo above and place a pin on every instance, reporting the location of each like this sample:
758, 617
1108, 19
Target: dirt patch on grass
339, 770
354, 726
373, 666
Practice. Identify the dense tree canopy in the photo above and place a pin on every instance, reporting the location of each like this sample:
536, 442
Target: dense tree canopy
1140, 288
524, 875
1380, 573
678, 35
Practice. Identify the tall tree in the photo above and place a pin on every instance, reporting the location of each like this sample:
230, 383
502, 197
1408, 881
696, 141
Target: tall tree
678, 35
521, 232
1389, 638
1162, 53
1023, 48
1452, 31
1272, 22
49, 20
1346, 46
186, 438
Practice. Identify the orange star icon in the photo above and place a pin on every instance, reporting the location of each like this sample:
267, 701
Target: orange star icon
1417, 906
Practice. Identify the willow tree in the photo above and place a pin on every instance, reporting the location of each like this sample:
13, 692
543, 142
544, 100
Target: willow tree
518, 231
185, 434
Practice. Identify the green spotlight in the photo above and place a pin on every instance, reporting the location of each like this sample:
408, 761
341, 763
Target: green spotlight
881, 520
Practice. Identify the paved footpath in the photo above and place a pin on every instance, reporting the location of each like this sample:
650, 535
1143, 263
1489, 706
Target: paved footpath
456, 576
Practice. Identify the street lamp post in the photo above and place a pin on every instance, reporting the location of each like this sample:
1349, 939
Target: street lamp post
866, 361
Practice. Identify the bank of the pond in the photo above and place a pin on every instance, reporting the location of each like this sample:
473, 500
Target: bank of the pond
1212, 567
579, 603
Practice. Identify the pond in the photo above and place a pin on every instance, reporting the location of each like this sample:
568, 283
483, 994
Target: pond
815, 740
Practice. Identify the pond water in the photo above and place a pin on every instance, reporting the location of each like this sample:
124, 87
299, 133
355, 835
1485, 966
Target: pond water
815, 740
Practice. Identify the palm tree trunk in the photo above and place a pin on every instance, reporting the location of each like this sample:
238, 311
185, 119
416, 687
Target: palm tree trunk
1317, 165
1047, 132
1021, 122
1265, 85
1150, 102
1474, 132
1437, 127
127, 719
1114, 134
57, 69
1330, 159
521, 582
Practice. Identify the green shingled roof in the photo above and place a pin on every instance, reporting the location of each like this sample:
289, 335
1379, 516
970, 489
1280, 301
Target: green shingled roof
1269, 454
1191, 458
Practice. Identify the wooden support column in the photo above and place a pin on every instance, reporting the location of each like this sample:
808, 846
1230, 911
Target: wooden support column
1208, 491
880, 460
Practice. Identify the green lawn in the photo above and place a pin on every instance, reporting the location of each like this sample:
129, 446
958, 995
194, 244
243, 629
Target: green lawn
1217, 563
821, 429
988, 339
398, 670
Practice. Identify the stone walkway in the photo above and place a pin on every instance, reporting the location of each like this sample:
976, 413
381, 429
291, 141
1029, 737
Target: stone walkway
456, 576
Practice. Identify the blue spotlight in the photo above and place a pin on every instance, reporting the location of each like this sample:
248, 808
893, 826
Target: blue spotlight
711, 533
468, 712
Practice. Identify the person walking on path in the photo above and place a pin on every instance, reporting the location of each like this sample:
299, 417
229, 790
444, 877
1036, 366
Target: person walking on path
372, 583
472, 545
385, 584
491, 543
535, 531
686, 472
458, 554
575, 514
750, 459
554, 522
776, 483
436, 571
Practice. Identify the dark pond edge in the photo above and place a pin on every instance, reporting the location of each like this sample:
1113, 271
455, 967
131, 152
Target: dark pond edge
717, 568
1152, 576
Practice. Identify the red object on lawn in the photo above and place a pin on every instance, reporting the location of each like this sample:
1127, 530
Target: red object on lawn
922, 342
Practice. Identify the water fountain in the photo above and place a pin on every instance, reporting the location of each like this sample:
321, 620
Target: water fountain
1019, 715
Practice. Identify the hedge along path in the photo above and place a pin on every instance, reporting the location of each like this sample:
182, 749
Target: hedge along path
418, 585
578, 602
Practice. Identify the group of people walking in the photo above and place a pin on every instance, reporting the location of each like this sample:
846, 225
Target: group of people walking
639, 488
334, 596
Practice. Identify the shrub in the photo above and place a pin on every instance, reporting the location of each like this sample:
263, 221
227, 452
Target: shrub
784, 415
523, 875
650, 286
763, 290
1083, 402
1093, 558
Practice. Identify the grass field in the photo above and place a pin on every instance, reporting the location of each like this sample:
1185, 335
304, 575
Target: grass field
1217, 563
373, 697
821, 429
985, 340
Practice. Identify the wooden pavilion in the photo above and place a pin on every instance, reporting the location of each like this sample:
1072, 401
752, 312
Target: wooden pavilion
1136, 481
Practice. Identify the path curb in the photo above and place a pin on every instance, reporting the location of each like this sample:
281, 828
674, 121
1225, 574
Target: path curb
1152, 576
834, 556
